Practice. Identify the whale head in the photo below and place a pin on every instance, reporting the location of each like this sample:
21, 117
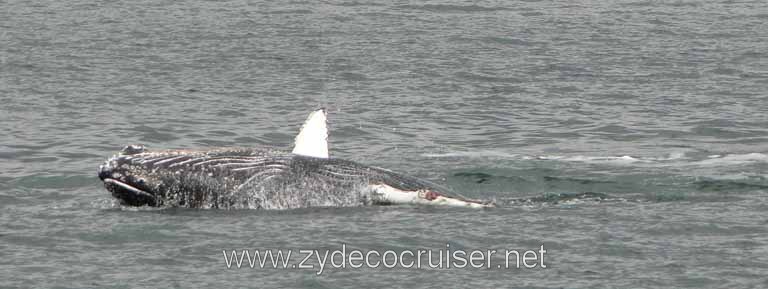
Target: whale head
131, 184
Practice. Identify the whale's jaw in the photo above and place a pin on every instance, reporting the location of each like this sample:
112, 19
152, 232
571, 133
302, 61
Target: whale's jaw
129, 195
385, 194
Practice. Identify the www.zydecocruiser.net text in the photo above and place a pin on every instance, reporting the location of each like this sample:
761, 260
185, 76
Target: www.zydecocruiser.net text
319, 260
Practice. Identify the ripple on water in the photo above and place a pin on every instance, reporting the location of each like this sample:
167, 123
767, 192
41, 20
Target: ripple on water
57, 182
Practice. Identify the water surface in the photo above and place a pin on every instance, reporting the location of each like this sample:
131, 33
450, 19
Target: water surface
660, 105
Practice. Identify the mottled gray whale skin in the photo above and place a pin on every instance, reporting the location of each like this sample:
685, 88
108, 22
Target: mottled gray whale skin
258, 178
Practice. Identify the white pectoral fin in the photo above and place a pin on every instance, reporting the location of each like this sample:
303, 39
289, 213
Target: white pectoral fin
387, 194
312, 140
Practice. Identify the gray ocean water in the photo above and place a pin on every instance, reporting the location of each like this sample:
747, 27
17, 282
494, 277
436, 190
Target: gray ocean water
662, 106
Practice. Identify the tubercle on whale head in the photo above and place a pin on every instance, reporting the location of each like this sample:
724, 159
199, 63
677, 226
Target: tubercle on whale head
133, 149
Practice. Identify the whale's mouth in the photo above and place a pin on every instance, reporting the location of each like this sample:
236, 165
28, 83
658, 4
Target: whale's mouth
129, 195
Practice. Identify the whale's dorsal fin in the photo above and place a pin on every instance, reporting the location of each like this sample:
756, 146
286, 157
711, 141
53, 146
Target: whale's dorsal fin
312, 140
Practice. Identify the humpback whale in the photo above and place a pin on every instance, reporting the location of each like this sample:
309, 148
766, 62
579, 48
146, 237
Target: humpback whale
264, 178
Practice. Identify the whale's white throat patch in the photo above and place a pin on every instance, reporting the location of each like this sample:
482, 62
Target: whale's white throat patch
312, 140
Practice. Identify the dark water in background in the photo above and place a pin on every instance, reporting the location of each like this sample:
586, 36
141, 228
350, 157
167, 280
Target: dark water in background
662, 105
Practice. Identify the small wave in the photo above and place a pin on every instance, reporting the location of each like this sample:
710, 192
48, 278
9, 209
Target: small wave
579, 181
742, 176
452, 8
59, 182
486, 178
729, 186
598, 159
734, 159
558, 198
105, 203
625, 159
743, 181
674, 159
615, 159
473, 154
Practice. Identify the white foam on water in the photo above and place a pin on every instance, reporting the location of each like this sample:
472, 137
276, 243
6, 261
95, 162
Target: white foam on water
735, 176
615, 160
595, 159
673, 159
622, 159
734, 159
473, 154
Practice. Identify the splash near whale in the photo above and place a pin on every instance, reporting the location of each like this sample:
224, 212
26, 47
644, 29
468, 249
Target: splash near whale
265, 178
